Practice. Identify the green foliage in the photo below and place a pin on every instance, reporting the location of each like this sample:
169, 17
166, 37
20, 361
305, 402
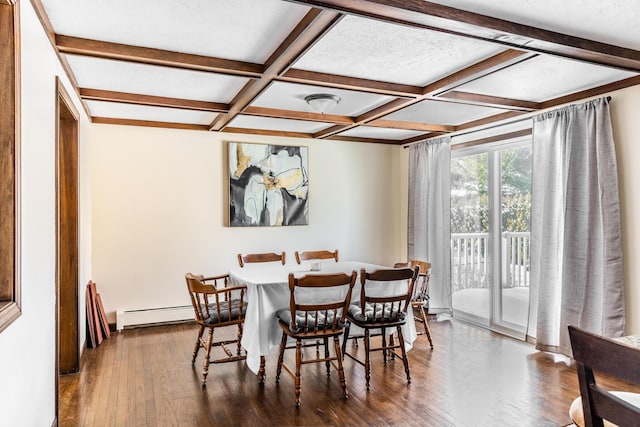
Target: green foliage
470, 198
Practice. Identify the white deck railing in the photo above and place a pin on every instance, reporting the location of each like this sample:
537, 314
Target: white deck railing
469, 260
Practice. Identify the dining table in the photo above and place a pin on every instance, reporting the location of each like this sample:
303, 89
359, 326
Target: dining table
268, 291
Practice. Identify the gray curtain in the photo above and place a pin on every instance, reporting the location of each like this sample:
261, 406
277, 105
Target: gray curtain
576, 248
429, 222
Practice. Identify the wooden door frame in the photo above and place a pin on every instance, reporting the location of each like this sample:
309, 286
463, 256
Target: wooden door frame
67, 135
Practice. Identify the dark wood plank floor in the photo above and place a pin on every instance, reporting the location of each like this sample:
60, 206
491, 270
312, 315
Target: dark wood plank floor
144, 377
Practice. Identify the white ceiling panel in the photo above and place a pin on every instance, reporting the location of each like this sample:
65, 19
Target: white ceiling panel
614, 22
246, 30
290, 96
376, 50
380, 133
155, 114
446, 113
544, 77
145, 79
285, 125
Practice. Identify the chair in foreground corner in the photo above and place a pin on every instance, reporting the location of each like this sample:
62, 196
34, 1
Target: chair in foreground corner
307, 319
382, 309
216, 304
596, 405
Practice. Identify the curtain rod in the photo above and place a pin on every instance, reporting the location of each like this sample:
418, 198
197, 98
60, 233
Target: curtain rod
508, 122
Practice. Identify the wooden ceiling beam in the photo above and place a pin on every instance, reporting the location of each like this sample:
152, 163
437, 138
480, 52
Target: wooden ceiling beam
490, 119
482, 68
433, 16
366, 140
311, 28
396, 124
350, 83
146, 55
492, 101
156, 101
148, 123
267, 132
297, 115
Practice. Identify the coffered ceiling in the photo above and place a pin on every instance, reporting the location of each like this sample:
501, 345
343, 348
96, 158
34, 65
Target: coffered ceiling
403, 70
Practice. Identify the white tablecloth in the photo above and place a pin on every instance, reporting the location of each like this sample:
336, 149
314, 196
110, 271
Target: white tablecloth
268, 292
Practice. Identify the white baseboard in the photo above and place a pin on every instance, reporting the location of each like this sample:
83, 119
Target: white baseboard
130, 318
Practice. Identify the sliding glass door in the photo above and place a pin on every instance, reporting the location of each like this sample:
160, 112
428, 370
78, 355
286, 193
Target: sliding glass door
490, 217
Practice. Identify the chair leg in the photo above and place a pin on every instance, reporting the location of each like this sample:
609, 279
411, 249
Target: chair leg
367, 359
404, 354
207, 358
345, 337
343, 381
427, 331
326, 356
298, 364
239, 345
392, 354
384, 345
283, 344
198, 345
261, 370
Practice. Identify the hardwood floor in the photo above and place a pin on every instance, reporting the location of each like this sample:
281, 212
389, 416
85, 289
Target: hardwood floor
144, 377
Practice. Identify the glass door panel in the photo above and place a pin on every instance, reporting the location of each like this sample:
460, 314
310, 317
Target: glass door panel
490, 217
469, 237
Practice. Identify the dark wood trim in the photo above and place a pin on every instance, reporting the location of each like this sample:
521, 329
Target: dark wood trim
428, 15
396, 124
350, 83
297, 115
146, 55
589, 93
492, 101
490, 119
493, 138
151, 100
67, 232
313, 26
268, 132
365, 140
10, 125
147, 123
420, 138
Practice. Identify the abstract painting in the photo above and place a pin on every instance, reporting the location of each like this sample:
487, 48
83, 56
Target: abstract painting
268, 185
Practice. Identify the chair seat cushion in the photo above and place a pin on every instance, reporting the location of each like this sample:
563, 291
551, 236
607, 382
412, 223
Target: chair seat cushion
308, 323
382, 313
229, 310
577, 416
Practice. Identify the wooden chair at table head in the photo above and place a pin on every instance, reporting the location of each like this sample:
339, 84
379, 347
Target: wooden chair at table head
420, 297
216, 304
304, 320
596, 405
307, 255
266, 257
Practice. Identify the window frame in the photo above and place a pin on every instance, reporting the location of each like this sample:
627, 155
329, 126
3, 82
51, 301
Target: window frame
10, 284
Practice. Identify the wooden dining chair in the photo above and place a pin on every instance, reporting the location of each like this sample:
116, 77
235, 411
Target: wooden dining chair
388, 309
266, 257
216, 304
420, 297
596, 405
305, 319
308, 255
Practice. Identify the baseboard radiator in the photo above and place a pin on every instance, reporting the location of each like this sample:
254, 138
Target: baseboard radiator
152, 316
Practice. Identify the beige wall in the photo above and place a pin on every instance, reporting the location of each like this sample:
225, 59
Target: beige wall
27, 346
159, 205
625, 117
